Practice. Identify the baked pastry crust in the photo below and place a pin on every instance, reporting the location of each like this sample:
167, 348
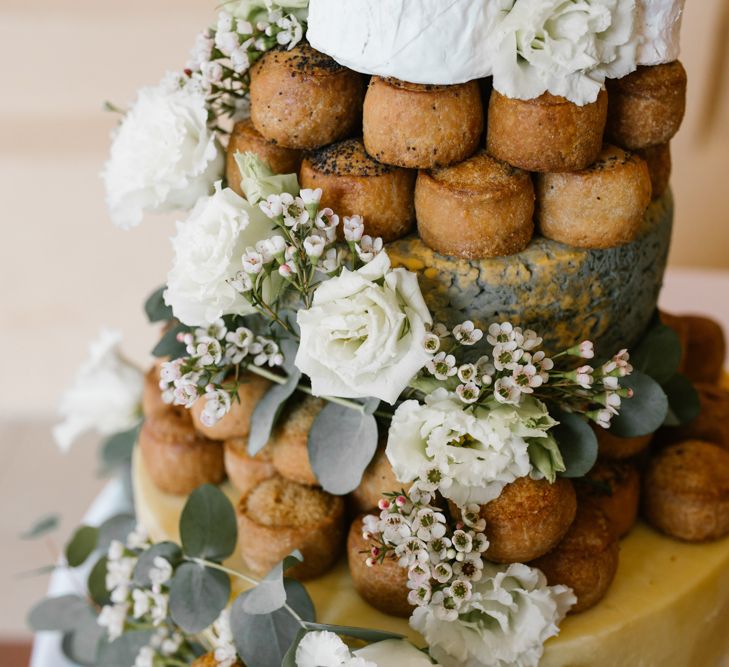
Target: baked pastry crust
178, 458
152, 402
528, 519
586, 559
208, 660
712, 422
686, 491
383, 585
646, 107
290, 441
245, 138
705, 349
246, 471
353, 183
303, 99
600, 207
237, 423
279, 516
614, 487
479, 208
379, 478
614, 448
421, 126
548, 133
658, 159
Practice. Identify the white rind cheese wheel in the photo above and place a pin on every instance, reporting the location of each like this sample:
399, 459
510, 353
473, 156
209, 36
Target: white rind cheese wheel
445, 41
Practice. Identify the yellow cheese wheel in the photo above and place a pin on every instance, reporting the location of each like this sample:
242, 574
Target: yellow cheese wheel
668, 605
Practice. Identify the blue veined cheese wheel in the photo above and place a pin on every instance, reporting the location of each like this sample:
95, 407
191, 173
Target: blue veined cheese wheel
565, 294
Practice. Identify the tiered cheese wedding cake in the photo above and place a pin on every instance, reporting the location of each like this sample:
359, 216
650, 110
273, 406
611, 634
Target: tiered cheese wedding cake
411, 333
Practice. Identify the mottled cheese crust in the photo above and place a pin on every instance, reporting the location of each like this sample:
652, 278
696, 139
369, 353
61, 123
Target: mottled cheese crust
566, 294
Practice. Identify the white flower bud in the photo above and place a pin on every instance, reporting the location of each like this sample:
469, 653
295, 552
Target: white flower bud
353, 228
314, 246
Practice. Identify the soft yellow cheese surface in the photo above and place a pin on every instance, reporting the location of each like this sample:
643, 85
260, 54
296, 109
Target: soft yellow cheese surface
668, 606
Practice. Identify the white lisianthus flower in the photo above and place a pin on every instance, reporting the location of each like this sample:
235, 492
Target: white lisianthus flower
163, 156
361, 336
208, 249
511, 613
325, 649
480, 450
105, 396
394, 653
565, 48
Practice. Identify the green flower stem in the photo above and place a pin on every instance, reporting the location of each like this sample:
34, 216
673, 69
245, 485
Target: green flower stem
247, 579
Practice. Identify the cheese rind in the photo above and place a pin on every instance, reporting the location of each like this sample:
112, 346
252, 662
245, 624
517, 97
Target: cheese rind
565, 294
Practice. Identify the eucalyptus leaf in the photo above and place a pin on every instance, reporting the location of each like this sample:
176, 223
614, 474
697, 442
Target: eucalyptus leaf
82, 545
167, 550
684, 403
645, 412
365, 634
81, 646
268, 410
264, 639
342, 442
36, 572
116, 528
208, 526
156, 308
168, 345
577, 443
658, 354
59, 613
117, 450
197, 596
289, 659
270, 593
41, 527
123, 652
371, 405
96, 583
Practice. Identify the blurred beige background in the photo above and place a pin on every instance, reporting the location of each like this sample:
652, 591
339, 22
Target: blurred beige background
65, 270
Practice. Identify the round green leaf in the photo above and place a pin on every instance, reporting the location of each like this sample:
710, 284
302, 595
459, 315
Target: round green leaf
268, 410
168, 550
96, 582
658, 354
577, 443
82, 544
82, 645
684, 404
123, 652
60, 613
169, 346
264, 639
645, 412
208, 527
155, 307
197, 596
117, 450
117, 528
342, 442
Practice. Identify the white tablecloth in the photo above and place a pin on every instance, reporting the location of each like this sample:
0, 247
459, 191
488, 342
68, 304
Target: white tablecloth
686, 291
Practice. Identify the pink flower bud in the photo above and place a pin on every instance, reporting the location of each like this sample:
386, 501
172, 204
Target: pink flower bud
383, 504
369, 562
375, 552
400, 501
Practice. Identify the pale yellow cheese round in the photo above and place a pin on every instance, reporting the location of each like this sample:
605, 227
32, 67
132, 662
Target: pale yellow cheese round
668, 606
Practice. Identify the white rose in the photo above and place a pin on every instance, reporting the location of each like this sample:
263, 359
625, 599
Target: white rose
510, 615
566, 48
361, 337
208, 253
105, 396
163, 156
394, 653
325, 649
482, 450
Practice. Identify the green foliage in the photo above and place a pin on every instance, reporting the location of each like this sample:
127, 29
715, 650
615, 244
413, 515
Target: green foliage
197, 596
365, 634
82, 545
57, 613
577, 443
658, 354
645, 412
167, 550
155, 307
684, 404
342, 442
116, 451
122, 652
169, 346
41, 527
545, 456
96, 583
264, 639
82, 644
117, 528
270, 594
208, 527
268, 410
